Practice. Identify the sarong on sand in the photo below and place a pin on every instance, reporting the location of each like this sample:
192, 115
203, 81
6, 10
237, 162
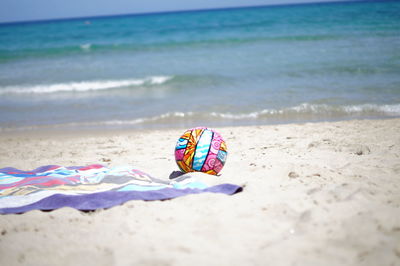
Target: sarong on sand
91, 187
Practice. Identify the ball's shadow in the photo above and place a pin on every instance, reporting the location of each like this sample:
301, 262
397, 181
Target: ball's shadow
176, 174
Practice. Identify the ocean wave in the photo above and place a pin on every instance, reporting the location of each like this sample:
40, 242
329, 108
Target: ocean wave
302, 112
85, 85
302, 109
316, 110
108, 123
86, 46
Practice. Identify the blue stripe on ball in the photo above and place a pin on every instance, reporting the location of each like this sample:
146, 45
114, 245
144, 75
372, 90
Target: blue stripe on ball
203, 146
181, 144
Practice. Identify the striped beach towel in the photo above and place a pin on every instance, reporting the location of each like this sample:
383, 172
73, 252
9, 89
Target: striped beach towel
91, 187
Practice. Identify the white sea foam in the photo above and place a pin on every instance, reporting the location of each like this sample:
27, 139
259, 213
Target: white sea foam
85, 85
86, 46
315, 109
302, 110
169, 115
393, 109
107, 123
159, 79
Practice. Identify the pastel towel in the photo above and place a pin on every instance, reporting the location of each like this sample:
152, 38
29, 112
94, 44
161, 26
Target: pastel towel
91, 187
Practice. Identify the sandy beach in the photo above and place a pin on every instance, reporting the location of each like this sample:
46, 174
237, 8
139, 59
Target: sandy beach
306, 95
314, 194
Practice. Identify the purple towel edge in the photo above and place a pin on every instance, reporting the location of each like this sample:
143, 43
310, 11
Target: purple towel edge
108, 199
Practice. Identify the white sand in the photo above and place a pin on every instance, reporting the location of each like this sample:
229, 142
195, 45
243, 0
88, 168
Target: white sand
315, 194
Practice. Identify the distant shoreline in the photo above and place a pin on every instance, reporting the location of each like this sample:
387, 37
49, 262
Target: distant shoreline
110, 130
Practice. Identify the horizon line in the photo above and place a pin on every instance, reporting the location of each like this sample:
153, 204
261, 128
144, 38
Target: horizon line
180, 11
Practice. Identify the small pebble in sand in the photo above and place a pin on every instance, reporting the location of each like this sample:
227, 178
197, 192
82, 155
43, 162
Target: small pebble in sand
293, 175
313, 144
362, 149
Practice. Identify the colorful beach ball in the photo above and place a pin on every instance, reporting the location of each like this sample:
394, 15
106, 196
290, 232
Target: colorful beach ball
201, 150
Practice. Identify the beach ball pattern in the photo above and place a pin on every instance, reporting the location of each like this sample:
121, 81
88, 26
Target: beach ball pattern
201, 150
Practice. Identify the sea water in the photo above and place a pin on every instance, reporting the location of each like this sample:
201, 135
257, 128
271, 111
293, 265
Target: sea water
247, 66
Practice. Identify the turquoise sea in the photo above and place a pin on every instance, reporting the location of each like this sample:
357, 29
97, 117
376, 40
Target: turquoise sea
247, 66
